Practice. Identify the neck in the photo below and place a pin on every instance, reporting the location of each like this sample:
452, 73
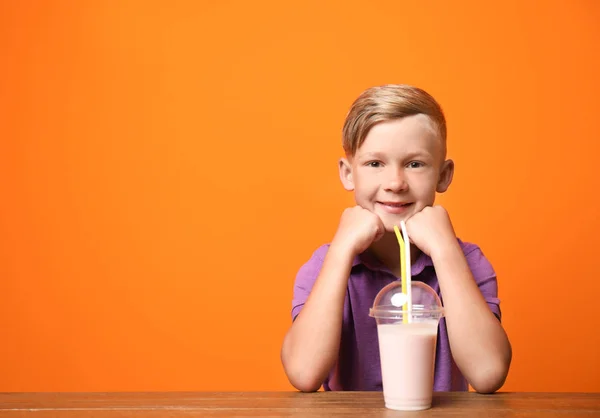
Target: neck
387, 251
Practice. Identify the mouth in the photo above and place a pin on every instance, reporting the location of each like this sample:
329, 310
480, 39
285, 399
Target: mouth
395, 207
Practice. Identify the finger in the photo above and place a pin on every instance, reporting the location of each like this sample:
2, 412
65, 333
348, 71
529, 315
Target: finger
379, 234
380, 228
409, 220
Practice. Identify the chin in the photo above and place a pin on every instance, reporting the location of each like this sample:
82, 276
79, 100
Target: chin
389, 225
389, 220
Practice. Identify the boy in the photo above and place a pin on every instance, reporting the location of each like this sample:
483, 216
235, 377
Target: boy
394, 138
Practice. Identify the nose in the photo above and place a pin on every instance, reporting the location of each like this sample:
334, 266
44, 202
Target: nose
396, 182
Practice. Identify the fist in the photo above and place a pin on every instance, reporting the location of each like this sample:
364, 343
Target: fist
431, 230
358, 229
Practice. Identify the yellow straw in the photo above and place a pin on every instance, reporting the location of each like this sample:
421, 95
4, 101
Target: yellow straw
402, 273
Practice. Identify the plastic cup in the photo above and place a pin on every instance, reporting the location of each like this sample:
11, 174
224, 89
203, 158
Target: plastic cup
407, 346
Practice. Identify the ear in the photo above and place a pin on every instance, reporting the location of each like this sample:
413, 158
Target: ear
346, 174
445, 176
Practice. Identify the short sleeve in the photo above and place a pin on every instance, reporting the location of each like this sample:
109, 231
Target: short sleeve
484, 276
305, 279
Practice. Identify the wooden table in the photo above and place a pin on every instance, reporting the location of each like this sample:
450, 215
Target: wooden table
291, 404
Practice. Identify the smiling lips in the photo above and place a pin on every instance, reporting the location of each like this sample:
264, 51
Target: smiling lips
395, 207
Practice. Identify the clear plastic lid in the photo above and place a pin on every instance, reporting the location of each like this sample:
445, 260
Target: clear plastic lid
388, 304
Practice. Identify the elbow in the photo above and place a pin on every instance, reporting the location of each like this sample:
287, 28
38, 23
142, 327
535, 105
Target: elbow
302, 379
488, 382
492, 376
305, 384
299, 375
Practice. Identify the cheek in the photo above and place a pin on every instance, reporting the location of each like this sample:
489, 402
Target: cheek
364, 196
424, 190
366, 183
366, 187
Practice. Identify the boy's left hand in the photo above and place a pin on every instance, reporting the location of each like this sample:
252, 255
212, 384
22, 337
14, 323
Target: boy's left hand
431, 230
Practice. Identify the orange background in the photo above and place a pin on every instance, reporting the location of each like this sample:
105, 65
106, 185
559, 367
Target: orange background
167, 166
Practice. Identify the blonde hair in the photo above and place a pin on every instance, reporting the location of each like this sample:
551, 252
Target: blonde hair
386, 103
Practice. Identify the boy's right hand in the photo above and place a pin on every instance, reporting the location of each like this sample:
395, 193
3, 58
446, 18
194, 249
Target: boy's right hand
357, 230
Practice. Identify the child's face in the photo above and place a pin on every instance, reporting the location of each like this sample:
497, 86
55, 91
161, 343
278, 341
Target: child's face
398, 169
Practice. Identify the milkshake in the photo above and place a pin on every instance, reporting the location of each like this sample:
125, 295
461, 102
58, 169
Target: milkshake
407, 340
407, 354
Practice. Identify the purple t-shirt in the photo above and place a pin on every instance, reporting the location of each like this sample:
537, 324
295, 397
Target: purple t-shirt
358, 366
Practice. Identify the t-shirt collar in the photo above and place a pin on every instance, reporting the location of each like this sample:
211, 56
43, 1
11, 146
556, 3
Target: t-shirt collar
372, 263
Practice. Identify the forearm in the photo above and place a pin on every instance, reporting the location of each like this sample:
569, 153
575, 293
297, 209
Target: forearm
311, 346
478, 342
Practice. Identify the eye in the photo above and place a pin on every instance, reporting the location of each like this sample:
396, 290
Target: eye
374, 164
415, 164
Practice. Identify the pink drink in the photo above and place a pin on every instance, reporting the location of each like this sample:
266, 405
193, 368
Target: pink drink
407, 350
407, 354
